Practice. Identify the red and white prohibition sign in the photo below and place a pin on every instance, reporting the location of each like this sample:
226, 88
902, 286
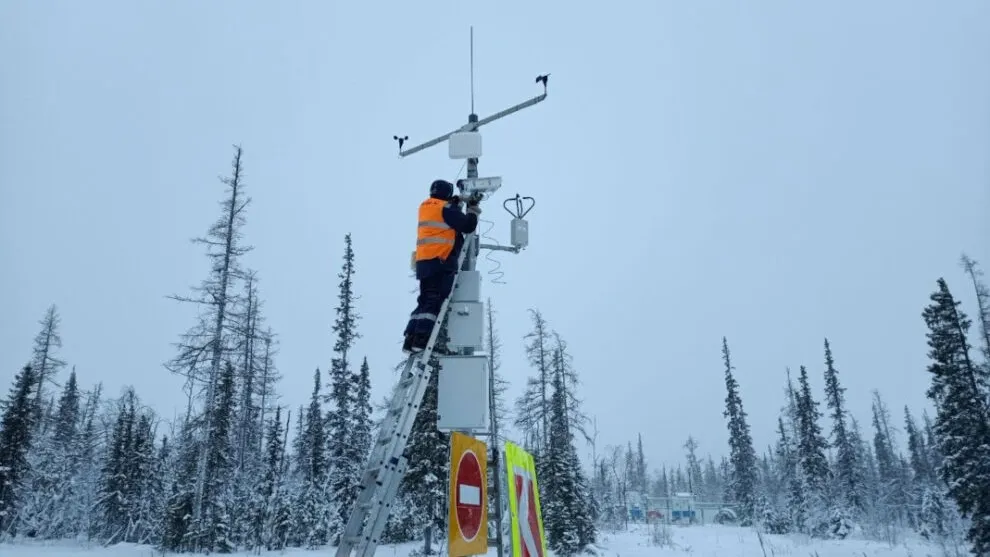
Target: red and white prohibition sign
469, 503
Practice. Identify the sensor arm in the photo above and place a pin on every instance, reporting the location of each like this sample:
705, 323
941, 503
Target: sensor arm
473, 126
494, 247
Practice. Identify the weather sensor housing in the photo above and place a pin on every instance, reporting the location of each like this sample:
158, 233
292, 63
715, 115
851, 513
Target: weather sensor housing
464, 145
519, 233
469, 186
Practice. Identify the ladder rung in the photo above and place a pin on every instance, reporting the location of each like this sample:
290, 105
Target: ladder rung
372, 472
386, 465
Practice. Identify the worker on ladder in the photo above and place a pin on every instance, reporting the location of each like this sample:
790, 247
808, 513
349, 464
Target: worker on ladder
442, 226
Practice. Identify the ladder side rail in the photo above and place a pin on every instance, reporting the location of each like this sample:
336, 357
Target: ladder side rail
400, 437
377, 462
392, 439
420, 361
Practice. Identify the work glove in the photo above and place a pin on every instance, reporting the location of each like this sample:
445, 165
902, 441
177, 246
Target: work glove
476, 209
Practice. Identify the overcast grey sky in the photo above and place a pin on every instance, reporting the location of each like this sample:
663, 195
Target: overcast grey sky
774, 173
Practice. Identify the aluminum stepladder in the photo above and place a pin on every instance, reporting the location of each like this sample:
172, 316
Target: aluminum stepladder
382, 476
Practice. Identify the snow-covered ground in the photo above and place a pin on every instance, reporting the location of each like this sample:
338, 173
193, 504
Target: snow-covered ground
699, 541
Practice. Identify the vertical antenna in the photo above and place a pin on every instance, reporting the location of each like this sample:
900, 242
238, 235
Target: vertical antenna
472, 69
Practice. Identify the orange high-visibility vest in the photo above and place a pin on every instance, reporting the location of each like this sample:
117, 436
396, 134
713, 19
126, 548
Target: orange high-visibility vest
435, 237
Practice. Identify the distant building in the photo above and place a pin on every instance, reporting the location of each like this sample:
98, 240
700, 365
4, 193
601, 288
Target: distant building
682, 508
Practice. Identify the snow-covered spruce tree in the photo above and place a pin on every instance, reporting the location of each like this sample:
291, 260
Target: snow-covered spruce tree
124, 498
69, 478
52, 464
642, 481
344, 462
618, 465
212, 530
605, 493
772, 511
769, 493
962, 422
145, 527
44, 361
163, 475
846, 479
255, 380
533, 406
663, 484
924, 474
361, 419
939, 521
789, 514
982, 292
679, 482
561, 365
218, 517
577, 420
711, 482
724, 472
813, 462
300, 446
931, 444
797, 497
563, 504
742, 455
694, 478
81, 499
247, 344
181, 485
269, 377
16, 427
270, 509
313, 455
207, 344
312, 520
890, 495
920, 475
630, 466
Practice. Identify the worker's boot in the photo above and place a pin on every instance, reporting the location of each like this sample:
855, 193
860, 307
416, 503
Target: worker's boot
413, 344
419, 341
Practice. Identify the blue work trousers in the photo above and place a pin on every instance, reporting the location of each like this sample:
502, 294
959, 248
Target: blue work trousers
433, 290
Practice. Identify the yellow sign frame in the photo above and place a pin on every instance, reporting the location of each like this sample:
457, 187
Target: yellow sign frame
457, 544
519, 463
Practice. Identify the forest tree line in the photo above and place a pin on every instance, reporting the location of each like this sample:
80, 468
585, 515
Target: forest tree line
934, 478
226, 475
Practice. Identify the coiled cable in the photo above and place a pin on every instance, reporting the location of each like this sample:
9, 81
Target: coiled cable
495, 272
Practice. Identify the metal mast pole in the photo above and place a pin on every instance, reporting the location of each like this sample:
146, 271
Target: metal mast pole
472, 184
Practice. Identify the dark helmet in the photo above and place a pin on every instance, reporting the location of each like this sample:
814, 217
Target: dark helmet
441, 189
